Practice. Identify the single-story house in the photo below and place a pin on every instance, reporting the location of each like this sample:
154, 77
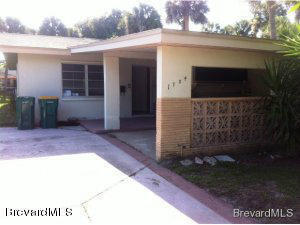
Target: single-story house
200, 86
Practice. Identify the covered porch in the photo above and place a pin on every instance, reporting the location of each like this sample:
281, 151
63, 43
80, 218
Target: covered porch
180, 61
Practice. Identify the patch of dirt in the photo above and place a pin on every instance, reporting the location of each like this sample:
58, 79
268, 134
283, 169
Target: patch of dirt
263, 196
266, 158
257, 182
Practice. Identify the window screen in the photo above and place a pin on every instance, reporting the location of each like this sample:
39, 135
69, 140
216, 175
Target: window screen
82, 80
219, 82
95, 80
73, 76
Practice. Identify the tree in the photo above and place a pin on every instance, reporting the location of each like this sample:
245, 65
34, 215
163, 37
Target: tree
291, 46
241, 28
73, 32
113, 25
86, 29
3, 27
291, 42
272, 10
283, 28
181, 12
144, 17
212, 28
30, 30
264, 14
294, 5
53, 27
103, 27
3, 85
13, 25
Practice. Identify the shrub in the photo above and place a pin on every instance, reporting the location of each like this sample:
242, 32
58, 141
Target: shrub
281, 103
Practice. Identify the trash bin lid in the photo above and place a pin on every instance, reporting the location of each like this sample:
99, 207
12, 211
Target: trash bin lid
48, 97
25, 97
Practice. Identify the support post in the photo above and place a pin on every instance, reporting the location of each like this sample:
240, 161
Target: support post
173, 106
111, 92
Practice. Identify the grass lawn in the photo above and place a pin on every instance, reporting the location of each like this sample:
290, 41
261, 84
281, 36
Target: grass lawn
7, 114
255, 183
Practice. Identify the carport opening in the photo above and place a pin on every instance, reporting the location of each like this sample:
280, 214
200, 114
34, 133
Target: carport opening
226, 82
137, 106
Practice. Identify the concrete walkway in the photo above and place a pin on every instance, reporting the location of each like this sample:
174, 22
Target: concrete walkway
143, 141
99, 182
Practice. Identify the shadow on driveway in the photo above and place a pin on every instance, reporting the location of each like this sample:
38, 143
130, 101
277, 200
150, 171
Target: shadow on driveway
98, 181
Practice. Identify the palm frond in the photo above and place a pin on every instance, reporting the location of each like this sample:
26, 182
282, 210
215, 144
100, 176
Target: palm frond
291, 46
281, 103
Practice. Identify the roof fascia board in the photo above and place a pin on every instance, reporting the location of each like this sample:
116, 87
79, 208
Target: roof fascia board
32, 50
177, 39
121, 38
135, 41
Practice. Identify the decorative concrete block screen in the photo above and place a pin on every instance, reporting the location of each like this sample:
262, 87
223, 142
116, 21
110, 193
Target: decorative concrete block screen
226, 122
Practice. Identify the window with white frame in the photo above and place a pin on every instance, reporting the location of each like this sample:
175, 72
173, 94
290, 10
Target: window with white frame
82, 80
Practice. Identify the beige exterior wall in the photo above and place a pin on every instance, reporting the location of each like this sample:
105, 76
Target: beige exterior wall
40, 75
174, 78
175, 63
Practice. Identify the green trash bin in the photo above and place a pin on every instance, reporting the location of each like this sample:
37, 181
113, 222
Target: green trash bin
48, 111
25, 112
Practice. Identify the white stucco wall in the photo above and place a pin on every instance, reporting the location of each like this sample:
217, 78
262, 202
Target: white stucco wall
40, 75
175, 63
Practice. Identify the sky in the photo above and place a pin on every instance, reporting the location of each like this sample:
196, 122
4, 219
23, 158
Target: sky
32, 12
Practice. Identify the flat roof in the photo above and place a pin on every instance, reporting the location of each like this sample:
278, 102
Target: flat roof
158, 37
42, 44
27, 43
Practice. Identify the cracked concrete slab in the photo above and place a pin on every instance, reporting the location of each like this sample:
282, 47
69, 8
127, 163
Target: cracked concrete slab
100, 182
131, 203
152, 194
177, 198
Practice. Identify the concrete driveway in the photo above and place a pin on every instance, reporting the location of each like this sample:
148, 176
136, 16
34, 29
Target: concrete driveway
74, 169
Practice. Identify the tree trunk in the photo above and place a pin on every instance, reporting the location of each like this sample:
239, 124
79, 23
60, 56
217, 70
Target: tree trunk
186, 23
272, 23
297, 16
186, 15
